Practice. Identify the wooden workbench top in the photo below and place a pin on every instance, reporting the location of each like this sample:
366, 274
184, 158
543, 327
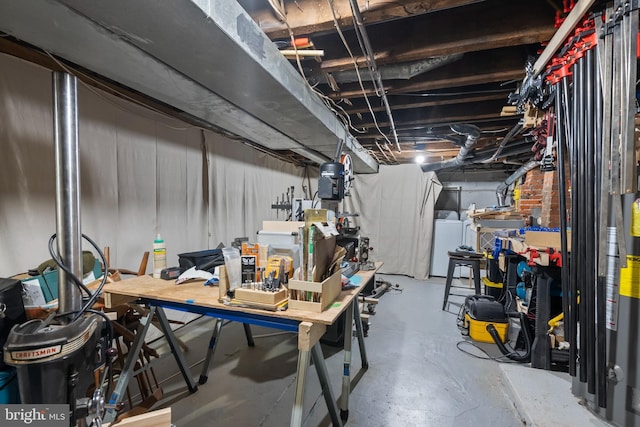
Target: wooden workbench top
195, 293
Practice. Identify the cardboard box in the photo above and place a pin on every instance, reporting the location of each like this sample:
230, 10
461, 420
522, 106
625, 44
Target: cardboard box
546, 239
314, 296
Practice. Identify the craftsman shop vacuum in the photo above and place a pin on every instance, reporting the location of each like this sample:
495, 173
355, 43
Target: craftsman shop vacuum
56, 358
484, 319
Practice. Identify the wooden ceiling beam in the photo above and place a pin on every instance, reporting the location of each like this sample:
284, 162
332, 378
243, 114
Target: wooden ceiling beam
417, 128
498, 65
487, 25
314, 16
460, 112
404, 105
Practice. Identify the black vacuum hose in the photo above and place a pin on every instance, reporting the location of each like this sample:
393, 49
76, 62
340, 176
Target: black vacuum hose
513, 355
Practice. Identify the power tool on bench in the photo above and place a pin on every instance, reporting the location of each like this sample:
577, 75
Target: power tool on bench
57, 358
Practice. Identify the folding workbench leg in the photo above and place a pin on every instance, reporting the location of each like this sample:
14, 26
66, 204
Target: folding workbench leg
346, 372
360, 334
177, 353
129, 365
321, 369
248, 334
204, 375
308, 336
301, 378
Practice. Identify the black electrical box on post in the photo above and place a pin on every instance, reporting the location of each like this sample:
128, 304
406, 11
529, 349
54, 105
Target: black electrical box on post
331, 181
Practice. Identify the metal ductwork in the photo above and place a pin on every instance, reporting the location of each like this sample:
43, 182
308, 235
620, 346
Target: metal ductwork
404, 71
502, 188
472, 133
207, 59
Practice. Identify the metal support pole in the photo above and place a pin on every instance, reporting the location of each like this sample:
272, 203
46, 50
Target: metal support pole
67, 158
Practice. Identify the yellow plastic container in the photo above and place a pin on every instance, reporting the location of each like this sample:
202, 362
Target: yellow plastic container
478, 329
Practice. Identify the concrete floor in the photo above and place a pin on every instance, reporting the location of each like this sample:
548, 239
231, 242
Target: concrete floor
416, 377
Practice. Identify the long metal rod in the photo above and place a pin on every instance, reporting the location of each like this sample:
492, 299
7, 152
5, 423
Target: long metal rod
374, 68
578, 214
67, 161
628, 172
562, 188
601, 243
569, 263
589, 223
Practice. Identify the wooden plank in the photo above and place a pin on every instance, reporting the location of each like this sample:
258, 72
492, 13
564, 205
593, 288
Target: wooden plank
561, 35
157, 418
309, 334
113, 300
262, 297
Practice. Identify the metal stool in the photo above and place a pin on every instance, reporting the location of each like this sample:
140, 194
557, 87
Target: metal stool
466, 259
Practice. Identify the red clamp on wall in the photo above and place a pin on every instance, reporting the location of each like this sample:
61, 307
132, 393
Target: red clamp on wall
533, 254
555, 257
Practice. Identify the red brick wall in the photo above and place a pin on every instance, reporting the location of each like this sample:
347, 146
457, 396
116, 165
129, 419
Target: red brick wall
550, 215
540, 190
531, 192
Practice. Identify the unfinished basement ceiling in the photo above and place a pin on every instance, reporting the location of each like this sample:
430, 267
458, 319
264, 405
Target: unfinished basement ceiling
440, 62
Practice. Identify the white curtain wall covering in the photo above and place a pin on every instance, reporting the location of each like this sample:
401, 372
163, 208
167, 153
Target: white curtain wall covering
141, 174
396, 211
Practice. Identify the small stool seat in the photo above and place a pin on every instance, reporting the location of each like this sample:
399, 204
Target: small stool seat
464, 259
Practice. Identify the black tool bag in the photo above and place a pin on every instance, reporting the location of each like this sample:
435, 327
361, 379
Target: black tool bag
206, 260
11, 311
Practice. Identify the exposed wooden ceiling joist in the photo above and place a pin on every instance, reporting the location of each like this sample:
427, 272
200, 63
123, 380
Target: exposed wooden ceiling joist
315, 16
489, 25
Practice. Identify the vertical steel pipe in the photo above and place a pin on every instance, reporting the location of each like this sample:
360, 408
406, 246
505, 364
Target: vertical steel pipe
601, 307
590, 220
67, 158
568, 263
562, 188
578, 215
